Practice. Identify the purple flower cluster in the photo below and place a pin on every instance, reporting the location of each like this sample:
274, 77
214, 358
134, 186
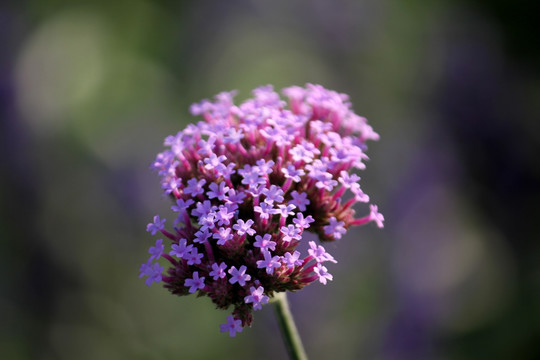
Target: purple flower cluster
246, 183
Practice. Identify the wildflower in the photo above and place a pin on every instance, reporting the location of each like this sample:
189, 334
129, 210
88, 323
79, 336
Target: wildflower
223, 235
265, 242
242, 227
181, 205
181, 249
218, 191
218, 271
224, 215
299, 200
239, 275
195, 283
292, 260
291, 232
156, 226
269, 263
257, 297
202, 235
156, 250
323, 274
335, 228
374, 215
246, 182
319, 253
194, 187
233, 326
293, 173
302, 222
274, 193
265, 210
193, 257
285, 210
153, 271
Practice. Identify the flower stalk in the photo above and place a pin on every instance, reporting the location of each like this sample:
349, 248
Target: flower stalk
288, 327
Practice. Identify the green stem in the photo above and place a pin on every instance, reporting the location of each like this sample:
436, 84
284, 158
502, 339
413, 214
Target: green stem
288, 327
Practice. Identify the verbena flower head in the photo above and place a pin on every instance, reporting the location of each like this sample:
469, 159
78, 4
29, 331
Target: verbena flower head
246, 183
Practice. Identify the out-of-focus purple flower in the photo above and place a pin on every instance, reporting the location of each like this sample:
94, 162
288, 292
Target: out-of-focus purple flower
181, 205
302, 222
319, 253
156, 226
156, 250
265, 210
181, 249
292, 260
194, 187
193, 257
218, 271
224, 215
273, 193
257, 297
290, 233
376, 216
290, 172
239, 275
335, 228
246, 183
195, 283
265, 242
323, 274
269, 262
218, 191
202, 235
285, 210
232, 326
299, 200
242, 227
223, 235
153, 271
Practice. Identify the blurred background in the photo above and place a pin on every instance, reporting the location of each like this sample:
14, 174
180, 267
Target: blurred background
89, 90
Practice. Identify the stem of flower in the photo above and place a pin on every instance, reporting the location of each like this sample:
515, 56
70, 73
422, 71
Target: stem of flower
288, 328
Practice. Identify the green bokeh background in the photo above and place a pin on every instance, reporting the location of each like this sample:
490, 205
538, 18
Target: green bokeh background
89, 90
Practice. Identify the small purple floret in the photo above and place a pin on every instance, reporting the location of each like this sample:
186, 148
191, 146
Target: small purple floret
232, 326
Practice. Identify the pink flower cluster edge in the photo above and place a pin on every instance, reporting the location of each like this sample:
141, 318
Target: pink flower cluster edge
246, 183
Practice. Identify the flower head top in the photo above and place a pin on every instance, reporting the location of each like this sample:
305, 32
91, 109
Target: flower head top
247, 181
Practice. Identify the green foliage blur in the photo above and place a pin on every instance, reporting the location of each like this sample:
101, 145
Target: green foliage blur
89, 90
